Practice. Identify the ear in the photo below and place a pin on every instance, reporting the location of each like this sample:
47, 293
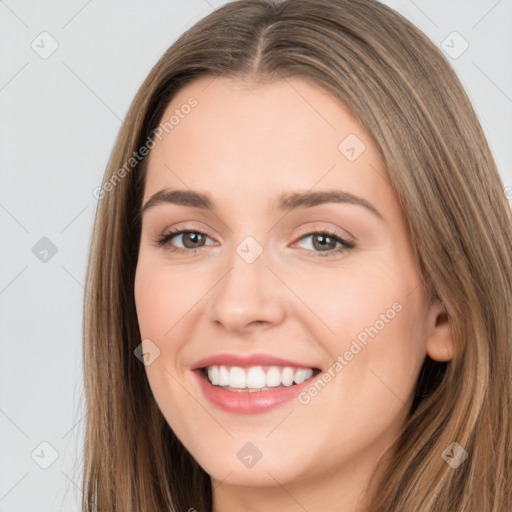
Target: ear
440, 344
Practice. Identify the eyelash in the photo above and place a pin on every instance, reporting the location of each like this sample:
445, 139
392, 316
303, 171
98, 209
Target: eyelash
346, 245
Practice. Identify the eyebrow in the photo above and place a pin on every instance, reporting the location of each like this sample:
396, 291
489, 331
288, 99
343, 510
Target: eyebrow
284, 202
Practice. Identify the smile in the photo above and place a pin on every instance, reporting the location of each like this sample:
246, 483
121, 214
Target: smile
255, 378
253, 389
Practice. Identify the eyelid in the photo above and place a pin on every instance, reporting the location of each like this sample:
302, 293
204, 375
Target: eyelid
345, 243
319, 228
167, 235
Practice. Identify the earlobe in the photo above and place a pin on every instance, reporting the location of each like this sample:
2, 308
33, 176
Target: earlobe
440, 343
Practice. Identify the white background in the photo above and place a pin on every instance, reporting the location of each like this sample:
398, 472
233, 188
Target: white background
59, 119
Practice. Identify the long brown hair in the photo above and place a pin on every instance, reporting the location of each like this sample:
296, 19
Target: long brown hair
401, 88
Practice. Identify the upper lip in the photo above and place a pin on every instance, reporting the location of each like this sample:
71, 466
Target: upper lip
244, 360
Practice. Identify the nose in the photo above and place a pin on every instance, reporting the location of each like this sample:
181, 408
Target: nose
248, 295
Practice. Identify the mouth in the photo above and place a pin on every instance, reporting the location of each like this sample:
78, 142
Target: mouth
252, 389
254, 379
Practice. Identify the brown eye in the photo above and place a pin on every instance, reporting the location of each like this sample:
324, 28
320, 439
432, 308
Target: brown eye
325, 243
190, 240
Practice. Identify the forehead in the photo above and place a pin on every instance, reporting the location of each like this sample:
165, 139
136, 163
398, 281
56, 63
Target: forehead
245, 137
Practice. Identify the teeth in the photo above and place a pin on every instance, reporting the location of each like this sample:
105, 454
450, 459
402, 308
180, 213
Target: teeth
213, 375
302, 375
237, 378
223, 376
256, 377
273, 377
287, 376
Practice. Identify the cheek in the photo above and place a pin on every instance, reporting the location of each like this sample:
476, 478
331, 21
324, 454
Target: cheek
369, 321
343, 302
164, 301
164, 297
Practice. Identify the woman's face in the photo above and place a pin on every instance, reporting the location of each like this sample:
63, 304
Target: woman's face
261, 284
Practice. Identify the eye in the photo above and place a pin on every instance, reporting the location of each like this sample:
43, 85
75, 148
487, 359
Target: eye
324, 243
191, 240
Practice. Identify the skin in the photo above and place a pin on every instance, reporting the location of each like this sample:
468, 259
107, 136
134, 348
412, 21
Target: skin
245, 144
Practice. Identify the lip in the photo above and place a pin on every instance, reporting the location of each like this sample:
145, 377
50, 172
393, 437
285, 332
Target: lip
249, 402
245, 360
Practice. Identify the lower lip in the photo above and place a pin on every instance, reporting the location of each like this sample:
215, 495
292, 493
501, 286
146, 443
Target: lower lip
249, 402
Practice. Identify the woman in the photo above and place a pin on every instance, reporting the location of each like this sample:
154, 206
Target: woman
299, 288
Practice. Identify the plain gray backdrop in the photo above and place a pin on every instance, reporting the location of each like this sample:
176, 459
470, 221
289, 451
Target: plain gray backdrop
69, 71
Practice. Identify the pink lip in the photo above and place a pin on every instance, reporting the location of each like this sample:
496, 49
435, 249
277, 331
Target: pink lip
248, 402
245, 402
244, 360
